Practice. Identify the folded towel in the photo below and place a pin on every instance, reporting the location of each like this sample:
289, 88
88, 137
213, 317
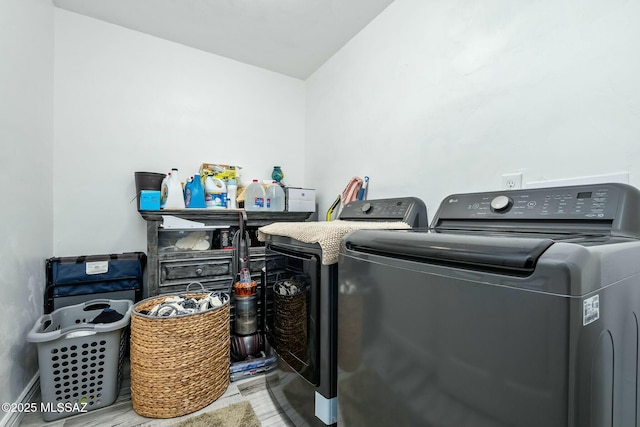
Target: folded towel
327, 234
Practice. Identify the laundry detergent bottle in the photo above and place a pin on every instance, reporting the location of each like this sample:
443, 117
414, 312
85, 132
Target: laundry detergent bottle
187, 192
164, 190
175, 195
194, 193
215, 193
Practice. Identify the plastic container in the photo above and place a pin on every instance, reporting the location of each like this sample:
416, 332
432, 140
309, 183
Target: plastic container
80, 362
172, 187
215, 193
232, 194
194, 193
254, 196
187, 192
274, 198
251, 367
149, 200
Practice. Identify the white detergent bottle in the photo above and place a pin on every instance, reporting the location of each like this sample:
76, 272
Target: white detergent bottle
254, 197
215, 193
232, 194
274, 198
175, 195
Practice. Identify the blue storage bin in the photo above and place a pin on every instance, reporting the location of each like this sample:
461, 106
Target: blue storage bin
74, 280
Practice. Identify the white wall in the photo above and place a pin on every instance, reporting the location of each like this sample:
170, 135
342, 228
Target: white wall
26, 220
127, 102
441, 97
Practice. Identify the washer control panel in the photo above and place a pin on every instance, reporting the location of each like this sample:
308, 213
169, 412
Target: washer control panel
411, 210
578, 202
595, 209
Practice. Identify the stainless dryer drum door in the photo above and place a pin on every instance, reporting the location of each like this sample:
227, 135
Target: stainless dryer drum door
291, 330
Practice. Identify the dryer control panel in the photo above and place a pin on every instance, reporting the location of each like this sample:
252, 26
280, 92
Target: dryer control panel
411, 210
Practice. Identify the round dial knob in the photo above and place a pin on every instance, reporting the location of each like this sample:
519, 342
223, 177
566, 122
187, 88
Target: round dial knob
366, 207
501, 203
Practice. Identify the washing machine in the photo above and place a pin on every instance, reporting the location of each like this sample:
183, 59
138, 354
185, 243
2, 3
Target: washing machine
301, 278
516, 309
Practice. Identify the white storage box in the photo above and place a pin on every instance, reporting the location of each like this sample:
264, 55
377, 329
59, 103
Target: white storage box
300, 199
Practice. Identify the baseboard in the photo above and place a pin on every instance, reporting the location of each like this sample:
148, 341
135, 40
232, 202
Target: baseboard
12, 419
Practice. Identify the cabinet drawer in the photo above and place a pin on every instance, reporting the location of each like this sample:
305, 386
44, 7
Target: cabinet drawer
196, 268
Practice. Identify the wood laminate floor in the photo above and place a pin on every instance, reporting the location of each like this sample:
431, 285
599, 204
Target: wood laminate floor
121, 412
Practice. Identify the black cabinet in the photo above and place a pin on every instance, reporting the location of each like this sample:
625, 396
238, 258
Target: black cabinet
179, 256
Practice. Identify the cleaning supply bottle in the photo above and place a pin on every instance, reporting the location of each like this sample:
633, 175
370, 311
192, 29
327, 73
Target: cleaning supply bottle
194, 193
215, 193
164, 190
187, 192
274, 198
232, 194
254, 196
175, 195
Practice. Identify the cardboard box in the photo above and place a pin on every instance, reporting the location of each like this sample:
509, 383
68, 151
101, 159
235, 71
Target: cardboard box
149, 200
300, 199
225, 172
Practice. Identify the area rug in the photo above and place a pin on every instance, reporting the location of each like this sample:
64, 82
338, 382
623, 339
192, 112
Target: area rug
235, 415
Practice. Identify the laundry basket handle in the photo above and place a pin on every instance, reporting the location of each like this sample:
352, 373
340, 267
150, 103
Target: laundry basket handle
202, 288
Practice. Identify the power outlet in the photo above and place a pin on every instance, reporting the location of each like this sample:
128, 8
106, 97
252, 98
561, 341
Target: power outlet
512, 181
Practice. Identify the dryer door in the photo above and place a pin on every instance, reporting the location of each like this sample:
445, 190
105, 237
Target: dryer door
294, 279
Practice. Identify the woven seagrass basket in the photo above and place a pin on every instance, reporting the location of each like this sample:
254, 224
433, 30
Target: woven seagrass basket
178, 364
290, 328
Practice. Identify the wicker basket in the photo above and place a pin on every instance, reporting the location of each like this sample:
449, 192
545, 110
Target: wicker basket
178, 364
290, 328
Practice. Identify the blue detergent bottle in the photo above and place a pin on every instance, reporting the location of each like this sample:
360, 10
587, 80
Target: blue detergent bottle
195, 196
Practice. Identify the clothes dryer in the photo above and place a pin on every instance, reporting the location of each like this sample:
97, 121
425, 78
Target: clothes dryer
301, 278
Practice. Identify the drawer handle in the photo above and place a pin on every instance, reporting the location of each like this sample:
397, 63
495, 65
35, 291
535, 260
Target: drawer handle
198, 271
